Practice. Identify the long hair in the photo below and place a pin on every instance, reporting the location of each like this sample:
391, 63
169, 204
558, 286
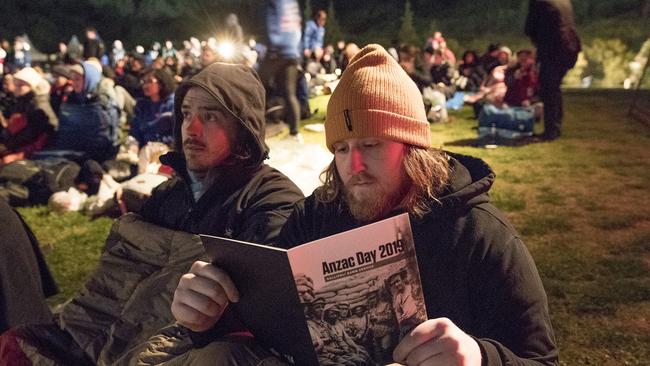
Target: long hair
427, 171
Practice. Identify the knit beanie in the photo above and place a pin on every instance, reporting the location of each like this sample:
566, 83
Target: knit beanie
376, 98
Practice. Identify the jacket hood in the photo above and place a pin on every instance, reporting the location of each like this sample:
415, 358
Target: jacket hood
92, 76
469, 182
238, 89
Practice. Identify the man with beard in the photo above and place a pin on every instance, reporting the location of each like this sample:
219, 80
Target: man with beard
485, 301
222, 187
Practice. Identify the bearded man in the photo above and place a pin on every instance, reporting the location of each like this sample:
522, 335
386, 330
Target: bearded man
485, 301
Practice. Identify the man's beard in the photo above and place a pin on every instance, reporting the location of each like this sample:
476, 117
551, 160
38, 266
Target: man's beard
371, 204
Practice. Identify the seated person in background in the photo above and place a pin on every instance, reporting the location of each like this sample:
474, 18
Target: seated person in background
89, 119
522, 80
471, 74
442, 72
409, 60
61, 88
153, 113
31, 120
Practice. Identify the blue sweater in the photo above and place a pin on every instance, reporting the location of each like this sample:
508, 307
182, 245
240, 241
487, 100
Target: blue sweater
283, 25
314, 36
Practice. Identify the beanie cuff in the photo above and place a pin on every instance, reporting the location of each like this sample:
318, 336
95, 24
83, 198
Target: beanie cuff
376, 123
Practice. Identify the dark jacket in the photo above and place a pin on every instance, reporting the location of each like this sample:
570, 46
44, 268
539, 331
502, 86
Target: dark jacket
474, 267
551, 27
153, 121
249, 200
41, 124
89, 121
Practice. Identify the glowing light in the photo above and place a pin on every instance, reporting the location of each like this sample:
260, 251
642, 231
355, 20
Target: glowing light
226, 50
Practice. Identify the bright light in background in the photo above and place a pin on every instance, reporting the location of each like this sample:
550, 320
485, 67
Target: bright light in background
226, 50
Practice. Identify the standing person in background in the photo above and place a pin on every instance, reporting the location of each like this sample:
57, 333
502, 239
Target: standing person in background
280, 66
551, 27
93, 45
314, 36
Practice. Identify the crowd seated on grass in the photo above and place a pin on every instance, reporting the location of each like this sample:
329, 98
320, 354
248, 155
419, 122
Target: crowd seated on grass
110, 106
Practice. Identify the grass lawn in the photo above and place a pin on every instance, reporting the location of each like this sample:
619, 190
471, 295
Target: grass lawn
581, 204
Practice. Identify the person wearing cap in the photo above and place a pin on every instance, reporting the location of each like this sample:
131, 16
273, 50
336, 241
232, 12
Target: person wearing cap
485, 299
30, 121
552, 30
221, 187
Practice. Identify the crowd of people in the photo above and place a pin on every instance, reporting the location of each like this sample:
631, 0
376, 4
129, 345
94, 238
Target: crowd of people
154, 300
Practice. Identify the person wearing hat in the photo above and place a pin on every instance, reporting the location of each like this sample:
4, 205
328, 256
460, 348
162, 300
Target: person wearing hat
31, 121
89, 117
485, 299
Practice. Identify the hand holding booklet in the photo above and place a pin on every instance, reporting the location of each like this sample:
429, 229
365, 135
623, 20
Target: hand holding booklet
342, 300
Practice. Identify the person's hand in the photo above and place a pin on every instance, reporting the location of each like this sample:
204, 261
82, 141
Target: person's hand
307, 53
305, 287
202, 296
438, 342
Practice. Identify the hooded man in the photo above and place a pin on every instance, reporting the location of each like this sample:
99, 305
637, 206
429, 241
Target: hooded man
485, 301
222, 187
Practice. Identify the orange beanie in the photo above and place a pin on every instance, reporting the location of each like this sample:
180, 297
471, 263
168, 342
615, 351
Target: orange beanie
376, 98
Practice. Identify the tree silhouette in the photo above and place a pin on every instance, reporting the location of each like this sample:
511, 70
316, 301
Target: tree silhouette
407, 33
333, 32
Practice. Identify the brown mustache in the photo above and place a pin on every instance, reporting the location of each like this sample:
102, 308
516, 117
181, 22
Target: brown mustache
362, 177
193, 142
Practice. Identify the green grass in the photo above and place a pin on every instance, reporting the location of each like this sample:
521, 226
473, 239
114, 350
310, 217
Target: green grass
580, 204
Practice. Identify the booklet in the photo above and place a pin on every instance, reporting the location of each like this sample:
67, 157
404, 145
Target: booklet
345, 299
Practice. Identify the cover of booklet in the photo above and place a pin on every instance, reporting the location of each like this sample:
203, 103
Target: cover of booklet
361, 293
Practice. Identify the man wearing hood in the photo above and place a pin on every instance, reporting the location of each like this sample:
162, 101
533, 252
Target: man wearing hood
485, 301
222, 187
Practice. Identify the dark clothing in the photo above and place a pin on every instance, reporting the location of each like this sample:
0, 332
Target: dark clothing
131, 82
248, 205
248, 201
153, 121
25, 280
38, 124
475, 269
551, 27
93, 48
442, 73
280, 77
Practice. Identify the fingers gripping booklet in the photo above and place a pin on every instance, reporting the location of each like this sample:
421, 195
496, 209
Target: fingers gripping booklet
342, 300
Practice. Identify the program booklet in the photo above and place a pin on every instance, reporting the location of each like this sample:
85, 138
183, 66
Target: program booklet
341, 300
